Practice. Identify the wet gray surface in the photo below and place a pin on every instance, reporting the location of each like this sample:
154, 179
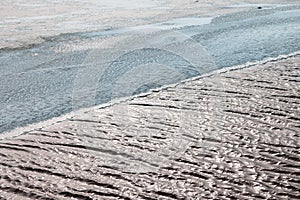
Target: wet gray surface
45, 81
233, 135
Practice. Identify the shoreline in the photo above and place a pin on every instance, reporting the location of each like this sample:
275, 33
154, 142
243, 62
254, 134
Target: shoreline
39, 125
227, 135
42, 82
149, 99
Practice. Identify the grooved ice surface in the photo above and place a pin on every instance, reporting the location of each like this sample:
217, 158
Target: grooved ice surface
233, 135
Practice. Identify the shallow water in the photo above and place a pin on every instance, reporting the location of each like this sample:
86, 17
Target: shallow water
80, 70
